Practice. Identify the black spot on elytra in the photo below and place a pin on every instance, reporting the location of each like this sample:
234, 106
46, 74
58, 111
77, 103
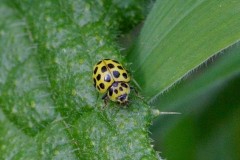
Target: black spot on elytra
124, 85
107, 78
120, 67
110, 65
115, 61
94, 80
116, 91
98, 88
99, 62
102, 85
104, 69
95, 70
98, 77
116, 74
120, 88
125, 75
110, 91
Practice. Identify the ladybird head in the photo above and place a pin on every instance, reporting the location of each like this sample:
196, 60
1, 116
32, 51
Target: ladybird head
119, 92
123, 99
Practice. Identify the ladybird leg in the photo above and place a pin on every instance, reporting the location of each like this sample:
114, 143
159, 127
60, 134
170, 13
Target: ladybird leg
126, 104
136, 92
132, 88
105, 102
105, 98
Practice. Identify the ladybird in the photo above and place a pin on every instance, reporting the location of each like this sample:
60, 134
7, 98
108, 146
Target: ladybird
110, 77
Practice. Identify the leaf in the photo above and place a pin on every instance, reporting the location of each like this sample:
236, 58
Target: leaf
194, 93
209, 103
177, 37
212, 79
49, 107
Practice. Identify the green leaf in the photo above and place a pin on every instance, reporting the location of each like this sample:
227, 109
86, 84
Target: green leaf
49, 107
177, 37
209, 103
212, 79
194, 93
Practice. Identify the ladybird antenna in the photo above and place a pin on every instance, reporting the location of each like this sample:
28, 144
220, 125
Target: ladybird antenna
136, 83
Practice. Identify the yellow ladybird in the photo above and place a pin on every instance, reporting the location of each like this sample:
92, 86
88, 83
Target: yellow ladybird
111, 78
